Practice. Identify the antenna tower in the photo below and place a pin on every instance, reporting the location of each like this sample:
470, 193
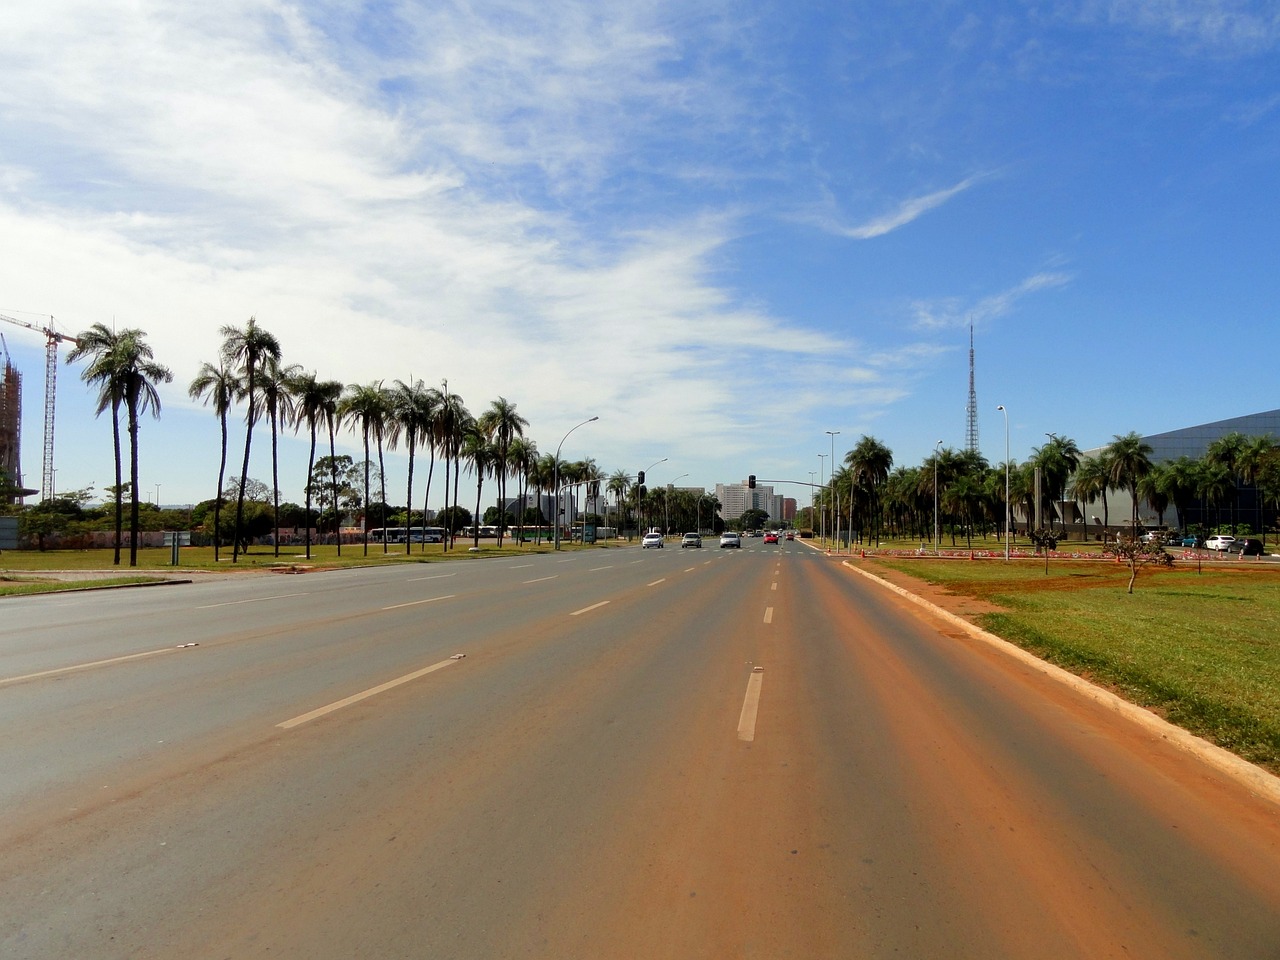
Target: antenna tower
971, 412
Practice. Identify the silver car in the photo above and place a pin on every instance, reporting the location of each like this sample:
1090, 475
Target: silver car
730, 539
652, 540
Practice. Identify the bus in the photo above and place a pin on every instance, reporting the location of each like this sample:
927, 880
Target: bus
409, 534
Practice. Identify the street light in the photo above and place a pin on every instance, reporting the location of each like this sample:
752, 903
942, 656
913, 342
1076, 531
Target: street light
835, 502
666, 505
1008, 507
936, 537
555, 475
812, 500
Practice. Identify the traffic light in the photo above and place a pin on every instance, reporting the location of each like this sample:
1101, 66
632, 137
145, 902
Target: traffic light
640, 479
751, 482
643, 491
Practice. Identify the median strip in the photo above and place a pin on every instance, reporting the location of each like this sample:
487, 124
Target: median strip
366, 694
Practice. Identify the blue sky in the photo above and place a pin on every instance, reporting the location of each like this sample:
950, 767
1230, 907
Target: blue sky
723, 229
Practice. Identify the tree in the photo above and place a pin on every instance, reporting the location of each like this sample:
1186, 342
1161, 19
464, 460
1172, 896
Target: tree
1130, 457
1057, 460
368, 406
101, 344
502, 424
870, 462
1228, 452
1137, 554
521, 457
245, 349
311, 399
618, 485
481, 456
410, 409
278, 400
450, 428
218, 386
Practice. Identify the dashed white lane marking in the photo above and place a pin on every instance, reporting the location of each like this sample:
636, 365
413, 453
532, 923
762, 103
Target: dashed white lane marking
750, 706
56, 671
594, 569
438, 576
541, 579
656, 582
594, 606
364, 695
690, 569
518, 566
232, 603
775, 586
414, 603
768, 614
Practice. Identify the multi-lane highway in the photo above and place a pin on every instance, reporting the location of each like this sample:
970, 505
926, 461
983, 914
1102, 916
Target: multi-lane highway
616, 753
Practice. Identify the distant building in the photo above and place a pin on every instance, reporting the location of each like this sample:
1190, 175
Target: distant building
737, 498
10, 428
789, 508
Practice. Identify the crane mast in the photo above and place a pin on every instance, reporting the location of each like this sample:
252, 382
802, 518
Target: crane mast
52, 339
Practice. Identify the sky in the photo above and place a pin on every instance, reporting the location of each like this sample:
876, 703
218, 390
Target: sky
723, 229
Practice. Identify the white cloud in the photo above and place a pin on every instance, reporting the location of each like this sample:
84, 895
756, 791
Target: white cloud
950, 313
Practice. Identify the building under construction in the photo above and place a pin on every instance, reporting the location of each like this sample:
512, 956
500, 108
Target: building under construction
10, 429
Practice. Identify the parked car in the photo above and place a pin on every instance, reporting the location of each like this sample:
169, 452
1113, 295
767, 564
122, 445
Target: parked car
730, 539
1246, 546
770, 537
691, 540
651, 540
1192, 541
1219, 541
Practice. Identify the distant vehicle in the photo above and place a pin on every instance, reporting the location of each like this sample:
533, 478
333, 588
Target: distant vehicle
730, 539
691, 540
651, 540
770, 537
1192, 541
1219, 541
791, 534
1246, 546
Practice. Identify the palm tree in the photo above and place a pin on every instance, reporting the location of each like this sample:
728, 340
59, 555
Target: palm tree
1252, 466
451, 425
520, 457
502, 424
1130, 462
331, 399
277, 398
101, 344
137, 375
1181, 482
310, 400
1091, 481
410, 417
367, 405
218, 386
542, 475
1153, 489
870, 462
1057, 459
1228, 452
618, 484
481, 454
245, 350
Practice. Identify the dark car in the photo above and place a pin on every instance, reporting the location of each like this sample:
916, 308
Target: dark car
1246, 546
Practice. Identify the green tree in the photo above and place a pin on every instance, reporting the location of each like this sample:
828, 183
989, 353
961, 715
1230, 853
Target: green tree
102, 346
1130, 461
502, 424
310, 399
368, 406
277, 399
217, 386
245, 349
870, 462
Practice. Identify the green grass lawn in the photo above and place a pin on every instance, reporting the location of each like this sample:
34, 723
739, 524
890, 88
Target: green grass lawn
1202, 649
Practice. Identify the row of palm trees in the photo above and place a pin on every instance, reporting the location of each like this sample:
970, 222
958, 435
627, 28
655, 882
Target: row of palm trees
873, 499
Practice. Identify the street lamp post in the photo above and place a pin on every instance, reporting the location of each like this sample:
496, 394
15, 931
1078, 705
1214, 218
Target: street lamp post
555, 475
936, 537
835, 499
1008, 507
812, 500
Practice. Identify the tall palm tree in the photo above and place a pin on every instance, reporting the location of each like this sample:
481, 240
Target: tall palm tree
1181, 483
618, 484
310, 398
502, 424
1252, 465
542, 475
138, 376
1057, 459
870, 462
408, 416
1228, 452
481, 455
1130, 462
367, 405
1091, 482
219, 386
245, 349
101, 344
431, 401
277, 400
451, 427
520, 457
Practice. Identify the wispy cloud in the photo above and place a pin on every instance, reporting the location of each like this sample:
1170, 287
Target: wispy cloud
952, 312
903, 214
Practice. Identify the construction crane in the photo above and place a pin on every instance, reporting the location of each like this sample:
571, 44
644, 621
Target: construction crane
52, 339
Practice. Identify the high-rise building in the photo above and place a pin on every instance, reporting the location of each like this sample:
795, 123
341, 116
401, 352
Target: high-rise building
737, 498
11, 426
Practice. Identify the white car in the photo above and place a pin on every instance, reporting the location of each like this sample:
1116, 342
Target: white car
652, 540
730, 539
1219, 541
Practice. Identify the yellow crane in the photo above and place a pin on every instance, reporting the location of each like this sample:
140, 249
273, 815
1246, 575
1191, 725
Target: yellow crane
52, 339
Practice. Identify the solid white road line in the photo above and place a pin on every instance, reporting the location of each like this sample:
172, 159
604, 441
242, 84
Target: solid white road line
232, 603
750, 706
364, 695
414, 603
594, 606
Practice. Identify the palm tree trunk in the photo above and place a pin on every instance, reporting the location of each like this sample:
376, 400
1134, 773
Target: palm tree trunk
217, 500
365, 525
475, 523
408, 502
133, 481
382, 488
244, 474
426, 497
275, 486
333, 479
115, 439
311, 465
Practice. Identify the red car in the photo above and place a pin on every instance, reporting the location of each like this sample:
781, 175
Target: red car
771, 537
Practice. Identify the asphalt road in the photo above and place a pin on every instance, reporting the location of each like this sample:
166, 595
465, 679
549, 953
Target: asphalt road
617, 753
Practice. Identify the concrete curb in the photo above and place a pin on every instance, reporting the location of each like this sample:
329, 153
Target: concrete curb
1224, 761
